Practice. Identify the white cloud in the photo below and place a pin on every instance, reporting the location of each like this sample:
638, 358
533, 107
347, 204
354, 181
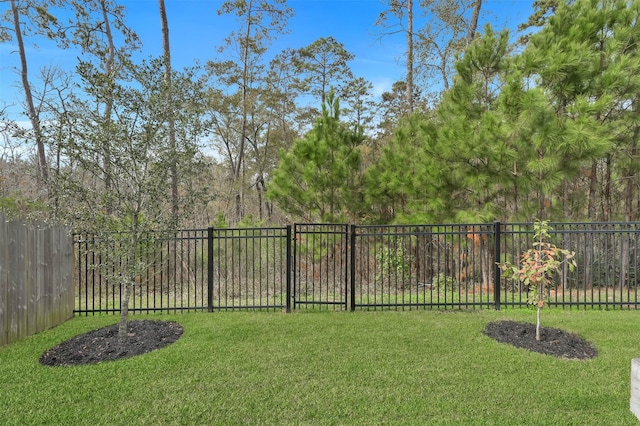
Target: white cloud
382, 85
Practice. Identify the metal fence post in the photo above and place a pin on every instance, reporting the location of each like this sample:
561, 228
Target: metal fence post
210, 269
352, 267
496, 259
288, 267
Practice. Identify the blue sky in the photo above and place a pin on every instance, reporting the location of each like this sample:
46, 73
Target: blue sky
196, 31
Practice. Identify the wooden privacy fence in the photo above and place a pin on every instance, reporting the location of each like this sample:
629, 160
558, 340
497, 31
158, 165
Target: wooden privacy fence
36, 278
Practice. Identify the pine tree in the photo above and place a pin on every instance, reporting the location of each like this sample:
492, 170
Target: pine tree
453, 165
403, 185
318, 179
471, 130
582, 61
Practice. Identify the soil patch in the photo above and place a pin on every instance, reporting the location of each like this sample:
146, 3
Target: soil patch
553, 341
104, 344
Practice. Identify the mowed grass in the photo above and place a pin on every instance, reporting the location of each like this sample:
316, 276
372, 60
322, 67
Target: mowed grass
418, 367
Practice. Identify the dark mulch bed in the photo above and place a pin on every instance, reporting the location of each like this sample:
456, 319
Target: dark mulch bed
148, 335
553, 341
105, 345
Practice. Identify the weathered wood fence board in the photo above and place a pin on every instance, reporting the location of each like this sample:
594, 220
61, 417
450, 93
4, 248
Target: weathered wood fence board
36, 281
4, 278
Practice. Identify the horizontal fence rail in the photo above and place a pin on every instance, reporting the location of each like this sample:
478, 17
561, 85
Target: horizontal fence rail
349, 267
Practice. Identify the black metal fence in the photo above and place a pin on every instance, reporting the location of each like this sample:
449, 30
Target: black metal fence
349, 267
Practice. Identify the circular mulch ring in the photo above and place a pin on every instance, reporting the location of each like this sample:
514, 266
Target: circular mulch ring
104, 344
553, 341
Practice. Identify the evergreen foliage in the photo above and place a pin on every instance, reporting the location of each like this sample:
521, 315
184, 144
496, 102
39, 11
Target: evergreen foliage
547, 127
450, 166
318, 179
526, 135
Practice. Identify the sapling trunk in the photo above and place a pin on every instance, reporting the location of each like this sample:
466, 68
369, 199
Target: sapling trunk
541, 293
124, 311
130, 271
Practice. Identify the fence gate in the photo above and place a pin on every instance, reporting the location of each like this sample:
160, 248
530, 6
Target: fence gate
321, 266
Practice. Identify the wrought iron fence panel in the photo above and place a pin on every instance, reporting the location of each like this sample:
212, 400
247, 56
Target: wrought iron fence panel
320, 276
606, 255
347, 267
249, 268
174, 278
405, 267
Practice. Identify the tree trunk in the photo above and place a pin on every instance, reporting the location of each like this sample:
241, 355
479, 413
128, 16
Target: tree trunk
410, 56
422, 255
259, 190
33, 115
593, 188
171, 118
245, 112
606, 214
128, 284
108, 110
588, 259
473, 25
129, 272
631, 180
624, 261
124, 311
538, 324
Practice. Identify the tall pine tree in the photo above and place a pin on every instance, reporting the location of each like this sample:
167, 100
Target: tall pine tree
318, 179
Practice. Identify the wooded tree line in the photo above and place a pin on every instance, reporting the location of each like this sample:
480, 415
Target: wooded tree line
483, 126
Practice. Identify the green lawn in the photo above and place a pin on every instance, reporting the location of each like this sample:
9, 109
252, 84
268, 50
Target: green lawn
419, 367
